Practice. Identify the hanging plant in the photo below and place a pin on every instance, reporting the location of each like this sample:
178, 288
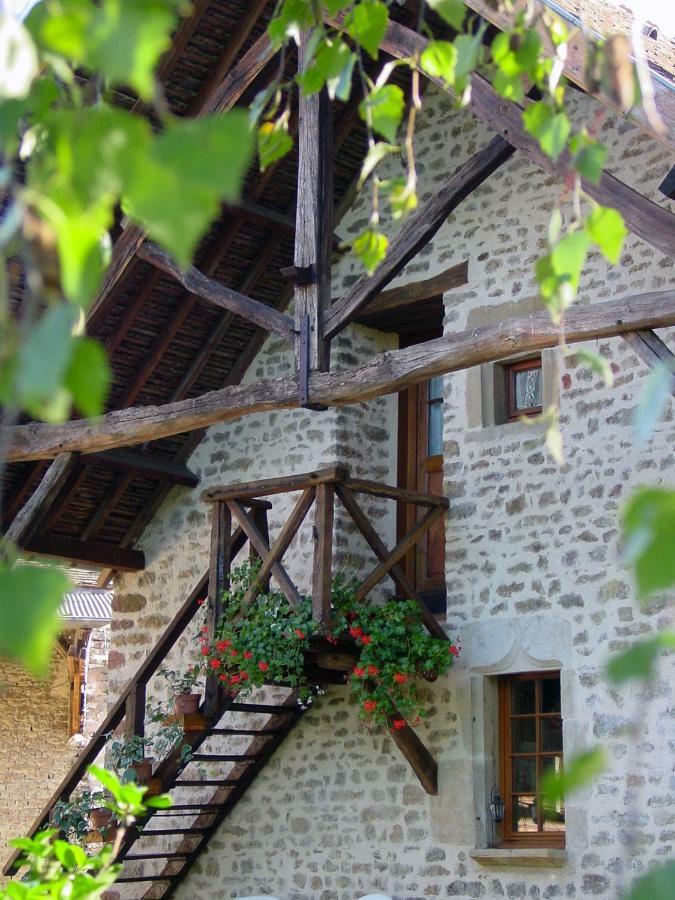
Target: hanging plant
266, 642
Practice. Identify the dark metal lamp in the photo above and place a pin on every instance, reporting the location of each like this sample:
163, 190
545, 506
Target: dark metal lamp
496, 807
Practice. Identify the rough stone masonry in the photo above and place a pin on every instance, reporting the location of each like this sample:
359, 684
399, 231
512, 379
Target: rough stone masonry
534, 579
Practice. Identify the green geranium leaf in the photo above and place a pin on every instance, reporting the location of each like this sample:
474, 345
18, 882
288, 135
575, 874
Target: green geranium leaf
607, 230
88, 376
595, 363
367, 24
579, 771
439, 59
451, 11
654, 401
648, 528
550, 128
177, 193
29, 603
639, 660
371, 249
384, 106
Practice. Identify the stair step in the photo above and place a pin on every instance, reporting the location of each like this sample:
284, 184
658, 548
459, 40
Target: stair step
248, 732
196, 806
223, 757
156, 831
261, 708
136, 857
131, 878
207, 782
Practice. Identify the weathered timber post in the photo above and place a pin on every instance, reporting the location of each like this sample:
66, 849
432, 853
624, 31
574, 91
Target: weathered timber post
313, 231
322, 572
219, 575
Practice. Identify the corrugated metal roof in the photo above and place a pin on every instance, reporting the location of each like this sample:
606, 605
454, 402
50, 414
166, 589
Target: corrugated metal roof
91, 605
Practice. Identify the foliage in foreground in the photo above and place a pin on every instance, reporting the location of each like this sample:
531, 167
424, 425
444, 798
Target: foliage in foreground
60, 869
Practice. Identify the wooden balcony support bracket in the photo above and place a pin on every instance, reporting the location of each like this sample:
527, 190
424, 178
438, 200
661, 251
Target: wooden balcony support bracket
313, 234
651, 350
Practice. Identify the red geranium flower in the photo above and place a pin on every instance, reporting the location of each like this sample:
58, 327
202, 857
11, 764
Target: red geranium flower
205, 629
399, 723
201, 602
215, 663
356, 631
359, 672
366, 639
400, 678
235, 679
205, 650
247, 654
243, 676
454, 650
373, 670
223, 676
223, 645
263, 666
331, 639
370, 706
298, 633
234, 652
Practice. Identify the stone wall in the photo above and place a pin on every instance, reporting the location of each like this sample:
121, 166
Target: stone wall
534, 581
35, 753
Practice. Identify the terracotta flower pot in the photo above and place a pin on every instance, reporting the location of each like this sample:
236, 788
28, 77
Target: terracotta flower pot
100, 817
429, 675
143, 769
185, 704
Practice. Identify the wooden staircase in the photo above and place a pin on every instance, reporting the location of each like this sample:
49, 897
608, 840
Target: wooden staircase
231, 741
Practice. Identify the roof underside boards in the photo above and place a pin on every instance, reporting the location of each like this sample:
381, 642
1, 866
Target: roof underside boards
163, 343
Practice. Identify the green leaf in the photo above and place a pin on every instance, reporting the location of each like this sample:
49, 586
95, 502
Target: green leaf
178, 191
384, 108
657, 884
588, 157
579, 771
29, 602
88, 376
43, 359
371, 249
509, 86
654, 401
332, 65
554, 442
451, 11
374, 156
639, 660
294, 17
439, 59
550, 128
469, 49
648, 528
367, 24
595, 363
274, 142
160, 801
559, 272
606, 228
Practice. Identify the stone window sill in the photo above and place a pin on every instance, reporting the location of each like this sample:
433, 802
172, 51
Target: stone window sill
531, 858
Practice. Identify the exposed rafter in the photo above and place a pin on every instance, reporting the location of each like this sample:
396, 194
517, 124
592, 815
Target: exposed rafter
414, 291
94, 553
142, 465
653, 223
385, 374
29, 520
651, 350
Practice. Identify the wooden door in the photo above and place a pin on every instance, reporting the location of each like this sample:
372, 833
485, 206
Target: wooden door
421, 469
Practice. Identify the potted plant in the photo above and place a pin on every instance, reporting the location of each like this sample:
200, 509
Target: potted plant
127, 757
76, 818
181, 684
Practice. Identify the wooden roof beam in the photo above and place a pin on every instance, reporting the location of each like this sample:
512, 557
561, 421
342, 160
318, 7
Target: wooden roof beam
575, 68
651, 350
653, 223
142, 465
87, 552
31, 517
213, 292
386, 373
415, 291
417, 231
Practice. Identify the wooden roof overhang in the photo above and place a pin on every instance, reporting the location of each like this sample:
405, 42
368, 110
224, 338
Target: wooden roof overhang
167, 345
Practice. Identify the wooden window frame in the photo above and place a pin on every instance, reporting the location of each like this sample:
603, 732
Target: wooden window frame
509, 837
510, 370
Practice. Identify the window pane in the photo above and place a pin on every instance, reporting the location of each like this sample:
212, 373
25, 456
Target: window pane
524, 735
550, 695
525, 813
528, 388
553, 815
525, 774
435, 388
435, 438
551, 733
522, 697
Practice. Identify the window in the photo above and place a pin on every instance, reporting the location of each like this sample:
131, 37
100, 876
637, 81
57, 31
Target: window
523, 388
435, 416
530, 743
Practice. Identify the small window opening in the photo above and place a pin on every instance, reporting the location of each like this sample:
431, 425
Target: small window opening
530, 738
523, 388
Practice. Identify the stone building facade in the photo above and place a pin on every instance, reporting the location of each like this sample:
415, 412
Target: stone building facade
535, 581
